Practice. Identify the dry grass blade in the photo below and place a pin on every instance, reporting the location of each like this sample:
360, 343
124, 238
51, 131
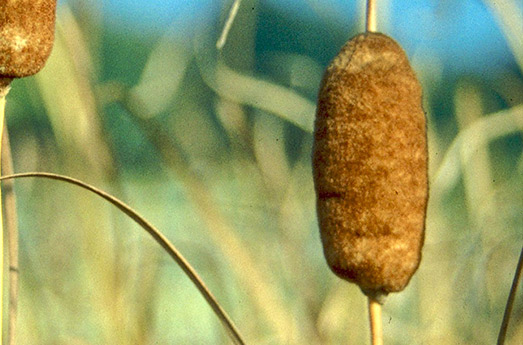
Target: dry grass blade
261, 94
228, 24
461, 151
247, 269
510, 301
158, 237
510, 17
249, 90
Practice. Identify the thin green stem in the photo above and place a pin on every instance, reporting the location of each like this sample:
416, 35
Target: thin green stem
158, 237
510, 301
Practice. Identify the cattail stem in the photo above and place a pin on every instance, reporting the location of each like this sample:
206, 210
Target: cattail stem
4, 89
370, 22
11, 224
376, 327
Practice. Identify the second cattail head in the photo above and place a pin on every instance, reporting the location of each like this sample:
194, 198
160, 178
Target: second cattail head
26, 36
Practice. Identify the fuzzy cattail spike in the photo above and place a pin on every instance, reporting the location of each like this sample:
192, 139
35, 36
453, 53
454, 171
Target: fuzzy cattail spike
370, 165
26, 36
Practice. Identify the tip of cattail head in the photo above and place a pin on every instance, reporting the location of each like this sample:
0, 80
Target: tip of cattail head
370, 165
26, 36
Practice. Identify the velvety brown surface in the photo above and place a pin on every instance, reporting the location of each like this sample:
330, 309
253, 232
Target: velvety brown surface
370, 165
26, 36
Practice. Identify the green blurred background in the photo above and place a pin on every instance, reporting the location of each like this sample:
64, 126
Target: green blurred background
213, 147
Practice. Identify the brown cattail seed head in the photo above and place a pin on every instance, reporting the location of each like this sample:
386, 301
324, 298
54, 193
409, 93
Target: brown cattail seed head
26, 36
370, 165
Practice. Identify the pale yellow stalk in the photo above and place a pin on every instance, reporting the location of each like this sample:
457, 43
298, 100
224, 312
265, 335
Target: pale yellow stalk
3, 92
376, 326
370, 22
4, 89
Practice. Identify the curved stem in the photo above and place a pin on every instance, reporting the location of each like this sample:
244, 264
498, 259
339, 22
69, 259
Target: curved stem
370, 22
510, 301
158, 237
376, 326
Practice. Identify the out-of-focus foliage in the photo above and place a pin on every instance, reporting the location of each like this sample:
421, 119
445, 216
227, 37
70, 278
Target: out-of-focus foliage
214, 149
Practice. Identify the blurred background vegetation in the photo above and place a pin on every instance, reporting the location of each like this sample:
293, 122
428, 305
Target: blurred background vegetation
214, 149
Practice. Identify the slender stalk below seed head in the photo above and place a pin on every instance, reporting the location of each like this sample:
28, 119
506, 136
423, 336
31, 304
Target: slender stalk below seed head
370, 18
11, 225
376, 323
3, 92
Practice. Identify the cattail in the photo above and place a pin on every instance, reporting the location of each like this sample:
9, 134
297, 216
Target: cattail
26, 36
370, 165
